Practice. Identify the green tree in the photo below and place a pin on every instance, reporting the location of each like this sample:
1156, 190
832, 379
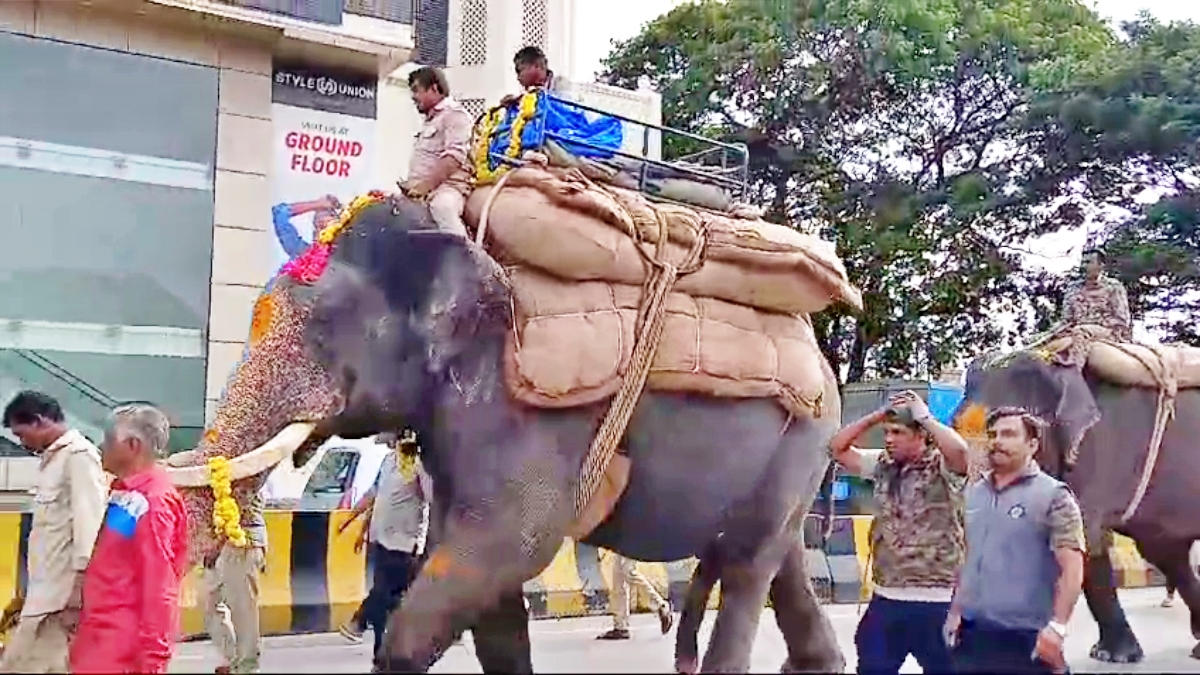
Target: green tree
1124, 141
895, 128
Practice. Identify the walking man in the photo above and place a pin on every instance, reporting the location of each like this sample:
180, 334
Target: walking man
130, 618
229, 588
1025, 555
625, 572
398, 508
917, 538
68, 508
439, 172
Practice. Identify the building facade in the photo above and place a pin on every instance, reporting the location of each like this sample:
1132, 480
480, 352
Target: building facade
146, 145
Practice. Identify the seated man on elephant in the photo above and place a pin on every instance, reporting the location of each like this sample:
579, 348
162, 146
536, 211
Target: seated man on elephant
439, 172
918, 534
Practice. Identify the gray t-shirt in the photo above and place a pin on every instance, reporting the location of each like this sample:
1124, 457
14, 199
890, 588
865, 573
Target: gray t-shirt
400, 518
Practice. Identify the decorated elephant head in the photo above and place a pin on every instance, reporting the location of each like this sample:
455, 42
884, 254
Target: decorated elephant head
1059, 395
350, 339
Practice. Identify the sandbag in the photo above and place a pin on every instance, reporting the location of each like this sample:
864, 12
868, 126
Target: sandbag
1135, 365
560, 223
573, 341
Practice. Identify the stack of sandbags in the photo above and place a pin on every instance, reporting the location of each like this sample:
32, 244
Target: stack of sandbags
574, 344
561, 223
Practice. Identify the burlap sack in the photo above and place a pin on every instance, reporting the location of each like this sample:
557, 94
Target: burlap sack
577, 230
573, 343
1136, 365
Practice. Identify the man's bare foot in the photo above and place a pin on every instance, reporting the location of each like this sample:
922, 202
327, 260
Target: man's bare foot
666, 619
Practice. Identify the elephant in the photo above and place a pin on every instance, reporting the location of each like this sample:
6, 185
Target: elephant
1109, 465
401, 325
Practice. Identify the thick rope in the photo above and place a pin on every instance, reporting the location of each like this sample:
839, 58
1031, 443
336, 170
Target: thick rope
652, 314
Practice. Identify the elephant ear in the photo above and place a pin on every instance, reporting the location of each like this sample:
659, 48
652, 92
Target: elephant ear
468, 298
1076, 411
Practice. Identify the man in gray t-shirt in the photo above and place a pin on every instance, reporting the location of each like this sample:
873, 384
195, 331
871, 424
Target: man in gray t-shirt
398, 508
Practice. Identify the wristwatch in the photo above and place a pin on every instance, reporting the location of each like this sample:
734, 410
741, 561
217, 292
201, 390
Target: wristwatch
1058, 628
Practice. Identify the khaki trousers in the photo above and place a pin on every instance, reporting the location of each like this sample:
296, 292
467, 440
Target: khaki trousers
625, 573
446, 206
230, 591
39, 644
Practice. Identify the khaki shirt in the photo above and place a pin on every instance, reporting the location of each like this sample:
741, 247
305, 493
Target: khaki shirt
445, 133
68, 508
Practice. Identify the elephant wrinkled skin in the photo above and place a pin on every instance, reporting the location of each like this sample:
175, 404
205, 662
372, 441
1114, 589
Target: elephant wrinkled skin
1110, 462
407, 327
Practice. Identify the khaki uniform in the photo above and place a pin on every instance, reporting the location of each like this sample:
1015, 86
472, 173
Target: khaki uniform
625, 572
68, 509
446, 133
230, 591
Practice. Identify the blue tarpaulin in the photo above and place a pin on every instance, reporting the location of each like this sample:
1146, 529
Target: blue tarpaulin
943, 400
569, 126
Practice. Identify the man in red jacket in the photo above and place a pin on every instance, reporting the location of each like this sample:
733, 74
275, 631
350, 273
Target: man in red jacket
130, 617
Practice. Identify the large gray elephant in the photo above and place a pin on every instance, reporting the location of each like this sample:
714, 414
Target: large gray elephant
1110, 463
406, 326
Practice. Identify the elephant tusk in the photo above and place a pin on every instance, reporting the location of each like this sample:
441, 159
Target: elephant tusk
250, 464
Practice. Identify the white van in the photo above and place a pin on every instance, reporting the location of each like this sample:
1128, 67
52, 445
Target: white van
337, 475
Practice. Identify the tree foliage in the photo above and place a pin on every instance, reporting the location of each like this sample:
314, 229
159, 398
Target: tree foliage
928, 138
893, 132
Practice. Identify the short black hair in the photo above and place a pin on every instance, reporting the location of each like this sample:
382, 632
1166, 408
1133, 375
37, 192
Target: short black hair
903, 417
429, 77
530, 56
28, 406
1034, 426
1095, 252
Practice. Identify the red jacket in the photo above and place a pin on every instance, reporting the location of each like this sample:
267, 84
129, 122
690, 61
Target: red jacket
130, 617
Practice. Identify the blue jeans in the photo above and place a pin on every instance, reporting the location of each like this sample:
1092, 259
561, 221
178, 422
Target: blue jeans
394, 571
890, 630
986, 648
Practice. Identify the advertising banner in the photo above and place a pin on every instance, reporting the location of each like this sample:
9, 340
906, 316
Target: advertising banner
323, 151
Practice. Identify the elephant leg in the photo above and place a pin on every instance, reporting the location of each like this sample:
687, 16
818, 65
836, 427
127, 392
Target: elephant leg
1117, 642
691, 614
744, 589
501, 637
1171, 558
483, 555
810, 637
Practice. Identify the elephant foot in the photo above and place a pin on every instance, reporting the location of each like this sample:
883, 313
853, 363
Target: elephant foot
1196, 651
1118, 651
686, 666
832, 663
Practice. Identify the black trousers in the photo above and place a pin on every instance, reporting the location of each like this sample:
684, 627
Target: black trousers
394, 572
986, 648
890, 630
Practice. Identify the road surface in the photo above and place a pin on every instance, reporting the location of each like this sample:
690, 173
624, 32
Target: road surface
568, 646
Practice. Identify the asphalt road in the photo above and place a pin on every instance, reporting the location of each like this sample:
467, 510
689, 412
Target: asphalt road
568, 646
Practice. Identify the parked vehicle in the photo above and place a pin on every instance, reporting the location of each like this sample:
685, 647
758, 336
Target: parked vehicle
336, 477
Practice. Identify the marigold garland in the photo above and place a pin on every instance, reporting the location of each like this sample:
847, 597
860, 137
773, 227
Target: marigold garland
310, 265
226, 515
526, 109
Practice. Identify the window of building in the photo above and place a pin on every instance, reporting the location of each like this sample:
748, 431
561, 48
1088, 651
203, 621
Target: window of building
473, 33
106, 209
399, 11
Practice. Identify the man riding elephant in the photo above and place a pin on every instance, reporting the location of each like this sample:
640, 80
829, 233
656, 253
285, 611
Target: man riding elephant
1124, 418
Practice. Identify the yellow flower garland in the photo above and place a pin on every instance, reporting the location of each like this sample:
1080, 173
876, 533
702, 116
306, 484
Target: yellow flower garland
226, 515
526, 109
332, 230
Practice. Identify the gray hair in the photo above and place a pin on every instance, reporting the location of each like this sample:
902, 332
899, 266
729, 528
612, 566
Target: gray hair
145, 422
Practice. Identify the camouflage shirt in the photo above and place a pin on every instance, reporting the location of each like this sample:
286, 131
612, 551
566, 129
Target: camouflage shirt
1102, 304
918, 534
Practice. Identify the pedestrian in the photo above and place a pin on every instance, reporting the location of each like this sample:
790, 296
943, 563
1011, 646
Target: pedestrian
398, 508
1193, 565
439, 171
229, 588
68, 507
625, 572
130, 618
1025, 555
917, 536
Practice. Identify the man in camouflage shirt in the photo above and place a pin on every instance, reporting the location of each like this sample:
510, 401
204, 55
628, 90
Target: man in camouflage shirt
1098, 300
917, 540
